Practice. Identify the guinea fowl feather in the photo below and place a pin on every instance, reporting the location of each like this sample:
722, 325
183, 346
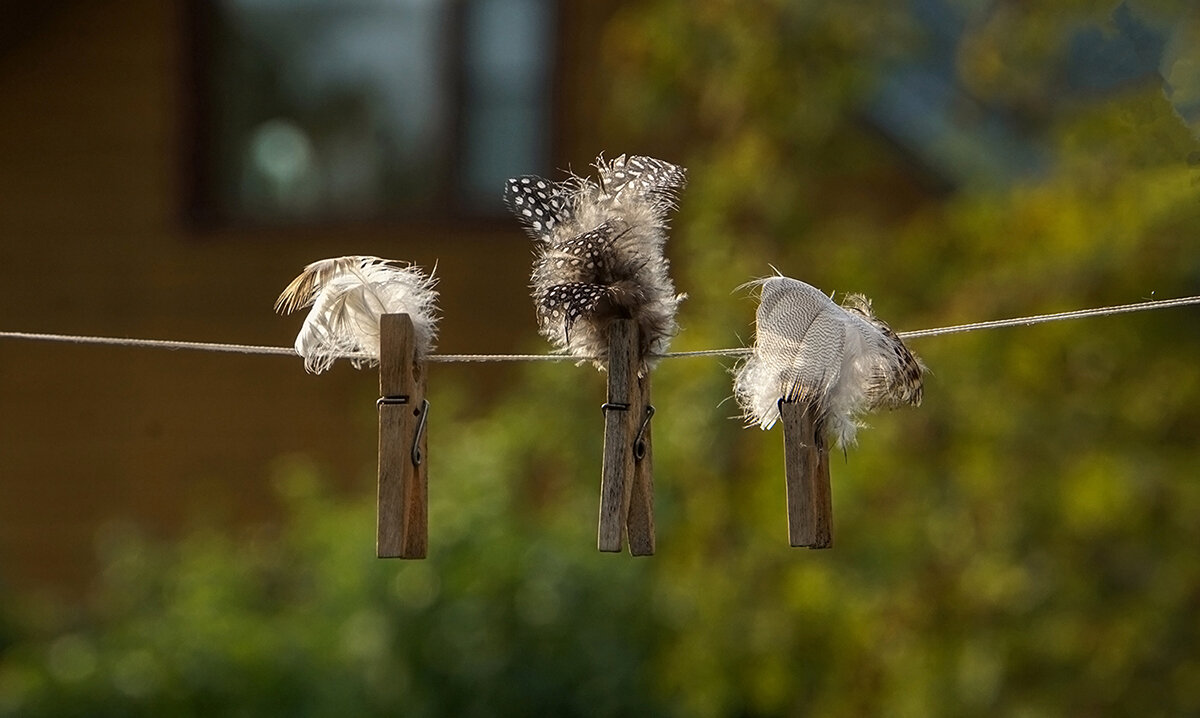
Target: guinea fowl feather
599, 253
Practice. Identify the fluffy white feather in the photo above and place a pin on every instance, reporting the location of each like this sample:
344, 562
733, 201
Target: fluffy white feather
841, 358
600, 252
348, 295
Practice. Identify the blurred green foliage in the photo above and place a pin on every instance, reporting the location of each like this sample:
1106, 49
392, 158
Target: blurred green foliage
1023, 544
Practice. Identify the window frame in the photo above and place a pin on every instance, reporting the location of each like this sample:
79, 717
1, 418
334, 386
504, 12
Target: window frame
202, 208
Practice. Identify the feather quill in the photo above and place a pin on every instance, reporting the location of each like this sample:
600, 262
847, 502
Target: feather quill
599, 253
348, 295
839, 357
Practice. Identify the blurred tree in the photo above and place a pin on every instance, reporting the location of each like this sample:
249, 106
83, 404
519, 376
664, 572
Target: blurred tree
1023, 544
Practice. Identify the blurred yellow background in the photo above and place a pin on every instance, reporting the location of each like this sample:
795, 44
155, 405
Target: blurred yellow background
185, 533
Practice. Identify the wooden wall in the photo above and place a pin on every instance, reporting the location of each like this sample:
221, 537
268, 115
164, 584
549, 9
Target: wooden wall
93, 133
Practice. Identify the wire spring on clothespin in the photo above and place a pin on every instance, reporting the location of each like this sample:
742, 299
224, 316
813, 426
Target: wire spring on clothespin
640, 443
415, 453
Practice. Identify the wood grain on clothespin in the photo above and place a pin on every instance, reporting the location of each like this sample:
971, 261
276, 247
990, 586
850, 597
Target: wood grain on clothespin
640, 521
809, 500
402, 529
625, 475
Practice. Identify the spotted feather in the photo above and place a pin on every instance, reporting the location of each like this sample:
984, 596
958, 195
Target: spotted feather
564, 304
537, 203
599, 253
648, 176
584, 258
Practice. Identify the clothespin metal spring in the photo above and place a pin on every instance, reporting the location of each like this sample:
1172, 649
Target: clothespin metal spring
423, 413
639, 443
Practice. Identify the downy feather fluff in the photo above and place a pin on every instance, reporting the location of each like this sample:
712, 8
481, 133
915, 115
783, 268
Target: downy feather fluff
842, 358
348, 295
599, 253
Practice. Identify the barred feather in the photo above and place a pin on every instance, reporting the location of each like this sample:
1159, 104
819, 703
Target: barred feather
348, 295
599, 252
842, 358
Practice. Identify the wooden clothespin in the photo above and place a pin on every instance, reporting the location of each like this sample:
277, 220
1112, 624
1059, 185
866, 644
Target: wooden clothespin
809, 501
403, 518
627, 481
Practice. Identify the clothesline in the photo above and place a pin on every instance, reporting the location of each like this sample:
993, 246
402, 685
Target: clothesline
481, 358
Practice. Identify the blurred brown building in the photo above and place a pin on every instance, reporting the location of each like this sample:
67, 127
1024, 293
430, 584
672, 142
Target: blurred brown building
167, 167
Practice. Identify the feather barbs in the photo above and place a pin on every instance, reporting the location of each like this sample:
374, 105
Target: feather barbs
841, 358
599, 252
348, 295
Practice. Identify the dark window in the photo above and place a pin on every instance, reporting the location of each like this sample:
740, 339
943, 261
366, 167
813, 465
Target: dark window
318, 110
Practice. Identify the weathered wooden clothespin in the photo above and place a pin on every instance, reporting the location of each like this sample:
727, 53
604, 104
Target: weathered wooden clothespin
627, 482
806, 470
403, 510
817, 366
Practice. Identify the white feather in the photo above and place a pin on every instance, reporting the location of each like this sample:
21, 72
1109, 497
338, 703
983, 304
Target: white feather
841, 358
348, 295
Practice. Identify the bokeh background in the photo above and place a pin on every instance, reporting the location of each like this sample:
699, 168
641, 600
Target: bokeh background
193, 534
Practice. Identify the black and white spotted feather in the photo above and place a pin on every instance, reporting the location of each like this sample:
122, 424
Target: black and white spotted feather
840, 357
599, 252
348, 295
